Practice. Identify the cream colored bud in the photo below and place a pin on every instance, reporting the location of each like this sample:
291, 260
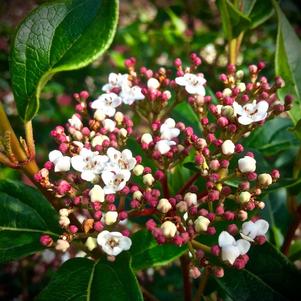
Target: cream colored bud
169, 229
91, 243
137, 195
99, 115
64, 221
227, 92
64, 212
147, 138
62, 245
164, 206
110, 217
138, 170
242, 87
153, 83
261, 205
201, 224
182, 206
239, 74
228, 147
123, 132
148, 179
167, 94
97, 194
244, 197
119, 117
265, 179
191, 199
99, 139
247, 164
243, 215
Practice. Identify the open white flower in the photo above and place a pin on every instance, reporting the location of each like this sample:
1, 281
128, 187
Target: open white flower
116, 81
251, 112
194, 84
61, 162
164, 146
250, 229
89, 163
231, 248
168, 130
107, 103
123, 160
115, 181
113, 243
130, 94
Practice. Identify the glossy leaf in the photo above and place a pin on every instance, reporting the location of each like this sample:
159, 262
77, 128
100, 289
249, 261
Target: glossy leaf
24, 216
288, 62
58, 36
82, 279
268, 276
147, 253
261, 12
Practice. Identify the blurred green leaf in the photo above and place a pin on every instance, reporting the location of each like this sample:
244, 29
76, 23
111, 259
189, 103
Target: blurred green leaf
25, 215
83, 279
288, 62
58, 36
147, 253
261, 12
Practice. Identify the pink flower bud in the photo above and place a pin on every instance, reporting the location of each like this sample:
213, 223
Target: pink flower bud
46, 240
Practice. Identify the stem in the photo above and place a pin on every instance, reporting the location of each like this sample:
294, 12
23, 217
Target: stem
186, 279
203, 282
148, 296
29, 138
232, 52
188, 183
201, 246
164, 184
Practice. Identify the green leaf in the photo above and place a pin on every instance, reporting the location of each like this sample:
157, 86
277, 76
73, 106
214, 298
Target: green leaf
82, 279
268, 276
147, 253
261, 12
24, 216
234, 21
58, 36
288, 62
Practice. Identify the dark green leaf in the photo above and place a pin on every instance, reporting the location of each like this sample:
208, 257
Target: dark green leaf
261, 12
24, 216
147, 253
268, 276
288, 62
58, 36
82, 279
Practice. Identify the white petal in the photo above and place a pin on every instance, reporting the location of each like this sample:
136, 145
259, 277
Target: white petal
181, 81
262, 226
243, 246
88, 175
116, 251
125, 243
110, 111
78, 163
225, 239
54, 155
102, 237
245, 120
259, 116
230, 253
262, 106
249, 229
238, 108
163, 146
113, 154
107, 177
62, 164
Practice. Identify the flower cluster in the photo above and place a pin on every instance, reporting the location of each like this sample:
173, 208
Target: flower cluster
100, 185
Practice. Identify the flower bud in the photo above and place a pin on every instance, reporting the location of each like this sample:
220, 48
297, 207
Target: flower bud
137, 195
110, 217
148, 179
91, 243
164, 206
123, 132
138, 170
190, 198
265, 179
201, 224
119, 117
64, 221
182, 206
228, 147
146, 138
109, 125
97, 194
244, 197
169, 229
247, 164
62, 245
153, 83
99, 115
64, 212
194, 272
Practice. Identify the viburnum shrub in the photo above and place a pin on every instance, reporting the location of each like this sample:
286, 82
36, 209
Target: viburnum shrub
130, 184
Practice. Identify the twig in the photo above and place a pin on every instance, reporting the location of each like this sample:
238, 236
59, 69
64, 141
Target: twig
148, 295
186, 279
188, 183
202, 285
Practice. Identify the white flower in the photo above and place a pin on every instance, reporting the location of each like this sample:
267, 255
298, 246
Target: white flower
251, 112
61, 162
107, 103
97, 194
110, 217
123, 160
201, 224
194, 84
153, 83
130, 94
247, 164
113, 243
169, 229
146, 138
89, 163
163, 146
109, 124
116, 81
228, 147
250, 229
231, 248
115, 181
168, 130
75, 122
